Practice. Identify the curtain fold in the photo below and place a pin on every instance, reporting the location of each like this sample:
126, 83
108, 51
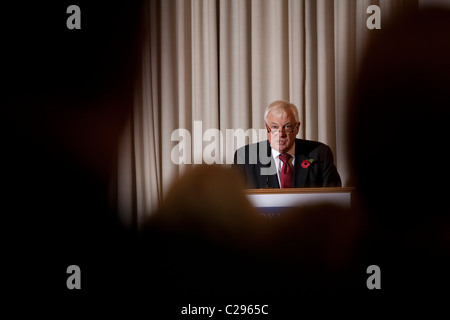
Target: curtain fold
209, 69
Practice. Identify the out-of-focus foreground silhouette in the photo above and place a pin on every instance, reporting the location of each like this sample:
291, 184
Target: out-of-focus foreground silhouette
66, 94
399, 133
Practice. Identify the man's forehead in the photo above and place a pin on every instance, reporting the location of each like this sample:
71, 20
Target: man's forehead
281, 115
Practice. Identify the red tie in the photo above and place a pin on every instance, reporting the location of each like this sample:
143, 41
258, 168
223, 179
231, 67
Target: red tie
286, 171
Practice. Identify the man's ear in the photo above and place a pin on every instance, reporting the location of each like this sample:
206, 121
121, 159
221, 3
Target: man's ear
267, 128
298, 127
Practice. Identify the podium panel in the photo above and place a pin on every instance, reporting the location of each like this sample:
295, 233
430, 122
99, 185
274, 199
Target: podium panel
271, 201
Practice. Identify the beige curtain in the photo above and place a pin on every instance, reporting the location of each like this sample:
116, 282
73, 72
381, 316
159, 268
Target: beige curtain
210, 64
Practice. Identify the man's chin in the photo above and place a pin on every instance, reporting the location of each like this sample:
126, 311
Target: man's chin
283, 146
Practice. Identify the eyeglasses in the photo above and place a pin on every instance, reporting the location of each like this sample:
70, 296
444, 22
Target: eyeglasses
288, 128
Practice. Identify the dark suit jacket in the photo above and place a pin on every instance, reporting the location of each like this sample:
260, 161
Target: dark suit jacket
256, 165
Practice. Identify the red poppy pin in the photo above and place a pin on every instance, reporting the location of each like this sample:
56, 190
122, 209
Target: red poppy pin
306, 163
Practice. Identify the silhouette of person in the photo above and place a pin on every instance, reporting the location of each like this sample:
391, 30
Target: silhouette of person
398, 137
205, 235
66, 95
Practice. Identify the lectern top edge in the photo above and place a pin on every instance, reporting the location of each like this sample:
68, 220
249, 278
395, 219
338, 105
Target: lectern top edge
300, 190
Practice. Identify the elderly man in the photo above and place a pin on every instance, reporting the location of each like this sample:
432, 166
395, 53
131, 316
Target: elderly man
282, 161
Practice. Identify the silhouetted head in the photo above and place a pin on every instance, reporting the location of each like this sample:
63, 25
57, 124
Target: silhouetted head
208, 203
71, 90
400, 117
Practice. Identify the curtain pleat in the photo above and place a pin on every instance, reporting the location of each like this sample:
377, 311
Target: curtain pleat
297, 59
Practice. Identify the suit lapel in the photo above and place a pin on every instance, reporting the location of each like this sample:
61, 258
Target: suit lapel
273, 180
300, 173
270, 180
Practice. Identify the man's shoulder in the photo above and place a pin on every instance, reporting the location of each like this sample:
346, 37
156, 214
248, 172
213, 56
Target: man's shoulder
253, 153
308, 146
253, 146
309, 143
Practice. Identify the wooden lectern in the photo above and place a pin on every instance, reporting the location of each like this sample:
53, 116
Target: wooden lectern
274, 201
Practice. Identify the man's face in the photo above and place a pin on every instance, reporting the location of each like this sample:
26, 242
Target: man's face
284, 121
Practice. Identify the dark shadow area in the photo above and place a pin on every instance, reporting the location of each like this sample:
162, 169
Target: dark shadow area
65, 97
399, 143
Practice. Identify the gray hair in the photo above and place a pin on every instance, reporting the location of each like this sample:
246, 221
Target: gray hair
282, 105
